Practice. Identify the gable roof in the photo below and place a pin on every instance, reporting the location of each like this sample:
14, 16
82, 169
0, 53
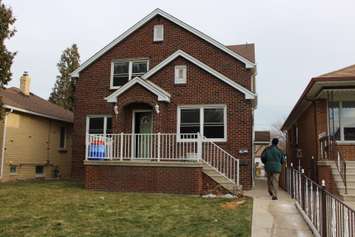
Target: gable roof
245, 50
150, 86
13, 98
248, 63
179, 53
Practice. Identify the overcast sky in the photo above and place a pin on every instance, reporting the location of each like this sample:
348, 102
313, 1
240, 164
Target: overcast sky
295, 40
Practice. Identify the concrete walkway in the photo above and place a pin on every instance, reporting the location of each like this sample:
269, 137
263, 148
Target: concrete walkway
275, 218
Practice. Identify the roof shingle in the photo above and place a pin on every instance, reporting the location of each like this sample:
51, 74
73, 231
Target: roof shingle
14, 97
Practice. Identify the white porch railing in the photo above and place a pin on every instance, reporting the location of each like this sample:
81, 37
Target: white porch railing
162, 147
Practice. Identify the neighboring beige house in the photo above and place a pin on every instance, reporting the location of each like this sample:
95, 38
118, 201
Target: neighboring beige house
35, 136
261, 141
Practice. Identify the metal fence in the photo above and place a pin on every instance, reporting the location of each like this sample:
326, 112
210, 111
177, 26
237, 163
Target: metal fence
324, 212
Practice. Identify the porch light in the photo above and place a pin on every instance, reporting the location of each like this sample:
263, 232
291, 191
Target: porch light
157, 109
115, 109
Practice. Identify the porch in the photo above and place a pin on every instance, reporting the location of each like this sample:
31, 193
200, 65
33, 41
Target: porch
158, 162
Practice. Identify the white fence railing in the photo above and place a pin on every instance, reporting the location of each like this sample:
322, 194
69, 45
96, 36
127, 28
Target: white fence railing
162, 147
326, 214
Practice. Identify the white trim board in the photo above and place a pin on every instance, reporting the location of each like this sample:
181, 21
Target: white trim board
150, 86
179, 53
248, 64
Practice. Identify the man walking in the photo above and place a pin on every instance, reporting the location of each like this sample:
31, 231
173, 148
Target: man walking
273, 158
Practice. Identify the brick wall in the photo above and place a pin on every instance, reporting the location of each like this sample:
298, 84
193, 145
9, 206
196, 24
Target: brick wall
181, 180
325, 173
201, 88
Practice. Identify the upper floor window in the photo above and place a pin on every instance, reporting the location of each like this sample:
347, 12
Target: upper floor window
342, 120
158, 33
180, 74
125, 70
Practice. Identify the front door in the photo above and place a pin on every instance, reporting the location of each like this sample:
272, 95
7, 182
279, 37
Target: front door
143, 126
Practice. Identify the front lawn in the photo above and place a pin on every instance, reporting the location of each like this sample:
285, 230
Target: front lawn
57, 208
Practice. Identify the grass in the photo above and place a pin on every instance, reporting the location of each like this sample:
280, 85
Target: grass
58, 208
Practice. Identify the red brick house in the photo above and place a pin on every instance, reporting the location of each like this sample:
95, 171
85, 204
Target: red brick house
165, 108
321, 131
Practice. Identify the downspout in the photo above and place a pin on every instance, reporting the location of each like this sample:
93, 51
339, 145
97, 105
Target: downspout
3, 144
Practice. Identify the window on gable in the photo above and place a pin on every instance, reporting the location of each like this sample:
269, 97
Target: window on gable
125, 70
180, 74
158, 33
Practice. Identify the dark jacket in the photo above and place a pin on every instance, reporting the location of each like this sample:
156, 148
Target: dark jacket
273, 158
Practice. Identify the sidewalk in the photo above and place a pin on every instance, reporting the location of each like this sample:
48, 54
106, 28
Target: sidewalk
275, 218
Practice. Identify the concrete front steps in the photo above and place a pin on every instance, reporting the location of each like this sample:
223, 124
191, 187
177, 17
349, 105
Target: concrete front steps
350, 180
220, 179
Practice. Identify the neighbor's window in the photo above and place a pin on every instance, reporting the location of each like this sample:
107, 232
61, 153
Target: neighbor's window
62, 138
158, 33
13, 169
209, 121
342, 120
99, 124
39, 170
125, 70
180, 74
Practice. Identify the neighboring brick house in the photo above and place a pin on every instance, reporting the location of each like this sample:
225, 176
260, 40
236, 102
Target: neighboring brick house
321, 130
35, 136
165, 108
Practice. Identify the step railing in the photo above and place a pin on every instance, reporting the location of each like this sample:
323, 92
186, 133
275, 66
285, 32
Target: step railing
329, 151
162, 147
216, 157
326, 214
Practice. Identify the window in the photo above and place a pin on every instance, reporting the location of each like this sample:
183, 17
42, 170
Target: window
180, 74
158, 33
125, 70
209, 121
39, 170
13, 169
99, 125
62, 138
342, 120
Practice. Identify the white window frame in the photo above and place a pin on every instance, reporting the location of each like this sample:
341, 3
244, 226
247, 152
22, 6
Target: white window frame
202, 107
88, 117
156, 29
130, 73
341, 125
178, 80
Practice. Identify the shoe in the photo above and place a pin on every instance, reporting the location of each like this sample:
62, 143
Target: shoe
274, 198
270, 193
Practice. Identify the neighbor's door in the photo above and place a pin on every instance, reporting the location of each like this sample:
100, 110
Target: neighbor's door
143, 127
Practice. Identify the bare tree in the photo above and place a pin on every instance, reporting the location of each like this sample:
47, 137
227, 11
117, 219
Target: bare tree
276, 132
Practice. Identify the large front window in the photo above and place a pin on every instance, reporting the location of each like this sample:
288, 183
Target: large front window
99, 124
342, 120
209, 121
125, 70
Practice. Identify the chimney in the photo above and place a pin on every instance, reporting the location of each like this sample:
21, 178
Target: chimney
25, 82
